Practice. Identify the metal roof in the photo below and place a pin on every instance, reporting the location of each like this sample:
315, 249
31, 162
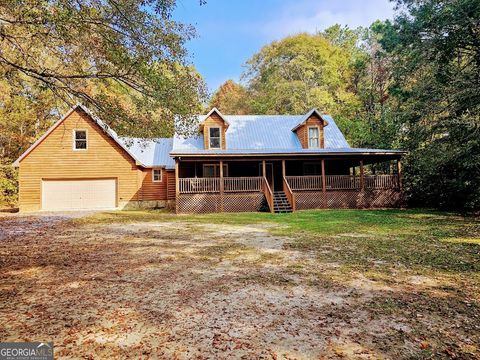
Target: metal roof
246, 135
263, 133
151, 152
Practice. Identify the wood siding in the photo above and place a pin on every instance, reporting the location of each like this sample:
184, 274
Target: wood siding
54, 158
214, 120
151, 190
302, 131
171, 191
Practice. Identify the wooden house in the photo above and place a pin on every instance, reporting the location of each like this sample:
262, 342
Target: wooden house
277, 163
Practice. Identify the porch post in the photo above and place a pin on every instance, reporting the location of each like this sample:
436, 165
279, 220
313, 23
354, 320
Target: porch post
221, 186
399, 174
177, 181
284, 173
362, 179
324, 185
264, 168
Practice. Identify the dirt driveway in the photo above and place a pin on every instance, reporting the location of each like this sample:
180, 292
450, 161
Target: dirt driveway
193, 290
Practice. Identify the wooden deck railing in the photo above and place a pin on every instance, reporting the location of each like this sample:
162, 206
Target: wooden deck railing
342, 182
289, 193
290, 184
381, 181
243, 184
212, 185
198, 185
268, 194
304, 182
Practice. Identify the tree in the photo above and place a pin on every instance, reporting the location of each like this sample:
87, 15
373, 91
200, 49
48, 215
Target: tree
92, 50
301, 72
436, 47
231, 98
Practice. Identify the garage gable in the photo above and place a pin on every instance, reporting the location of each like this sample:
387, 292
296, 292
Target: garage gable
80, 118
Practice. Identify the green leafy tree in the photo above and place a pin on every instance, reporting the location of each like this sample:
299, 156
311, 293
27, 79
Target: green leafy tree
436, 47
92, 50
300, 72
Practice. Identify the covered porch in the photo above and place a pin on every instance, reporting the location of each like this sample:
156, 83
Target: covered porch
287, 184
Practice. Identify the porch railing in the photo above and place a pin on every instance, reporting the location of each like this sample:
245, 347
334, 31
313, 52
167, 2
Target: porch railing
268, 194
242, 184
289, 193
381, 181
295, 183
212, 185
342, 182
198, 185
304, 182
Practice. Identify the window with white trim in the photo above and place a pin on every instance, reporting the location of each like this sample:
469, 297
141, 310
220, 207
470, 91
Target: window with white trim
80, 139
214, 138
157, 175
313, 137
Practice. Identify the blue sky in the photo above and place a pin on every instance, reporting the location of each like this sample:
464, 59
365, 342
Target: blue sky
231, 31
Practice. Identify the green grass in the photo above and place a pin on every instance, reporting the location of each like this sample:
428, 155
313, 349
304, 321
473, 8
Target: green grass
417, 239
416, 268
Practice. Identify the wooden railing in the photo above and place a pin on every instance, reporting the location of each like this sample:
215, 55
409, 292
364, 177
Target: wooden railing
198, 185
290, 184
268, 194
342, 182
243, 184
304, 182
289, 193
381, 182
212, 185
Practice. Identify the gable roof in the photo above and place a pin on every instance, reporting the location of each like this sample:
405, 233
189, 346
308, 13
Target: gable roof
262, 133
308, 115
106, 129
214, 110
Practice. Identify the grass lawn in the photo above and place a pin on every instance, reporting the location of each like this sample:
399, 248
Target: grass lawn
312, 284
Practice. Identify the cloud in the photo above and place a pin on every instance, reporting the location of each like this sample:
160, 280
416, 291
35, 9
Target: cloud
311, 16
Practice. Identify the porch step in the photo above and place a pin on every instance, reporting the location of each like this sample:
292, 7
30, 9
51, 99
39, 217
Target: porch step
280, 203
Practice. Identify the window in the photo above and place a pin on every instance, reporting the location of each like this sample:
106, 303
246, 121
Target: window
157, 175
213, 170
313, 141
80, 139
214, 138
312, 168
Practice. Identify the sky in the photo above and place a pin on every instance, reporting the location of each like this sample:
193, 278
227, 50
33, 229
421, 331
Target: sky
229, 32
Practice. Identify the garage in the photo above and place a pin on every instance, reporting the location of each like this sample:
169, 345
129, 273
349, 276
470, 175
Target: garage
78, 194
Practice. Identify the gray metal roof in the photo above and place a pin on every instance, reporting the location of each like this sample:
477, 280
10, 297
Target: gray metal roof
246, 135
151, 152
263, 133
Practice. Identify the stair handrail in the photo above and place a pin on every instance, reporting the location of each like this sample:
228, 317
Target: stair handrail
268, 194
290, 195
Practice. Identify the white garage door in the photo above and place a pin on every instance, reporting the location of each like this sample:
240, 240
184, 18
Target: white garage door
78, 194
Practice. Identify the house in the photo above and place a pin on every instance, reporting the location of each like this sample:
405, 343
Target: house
279, 163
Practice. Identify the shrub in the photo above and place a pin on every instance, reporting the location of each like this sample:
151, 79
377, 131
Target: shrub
8, 185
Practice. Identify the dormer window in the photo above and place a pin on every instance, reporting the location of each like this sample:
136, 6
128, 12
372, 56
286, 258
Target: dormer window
214, 137
79, 139
313, 137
